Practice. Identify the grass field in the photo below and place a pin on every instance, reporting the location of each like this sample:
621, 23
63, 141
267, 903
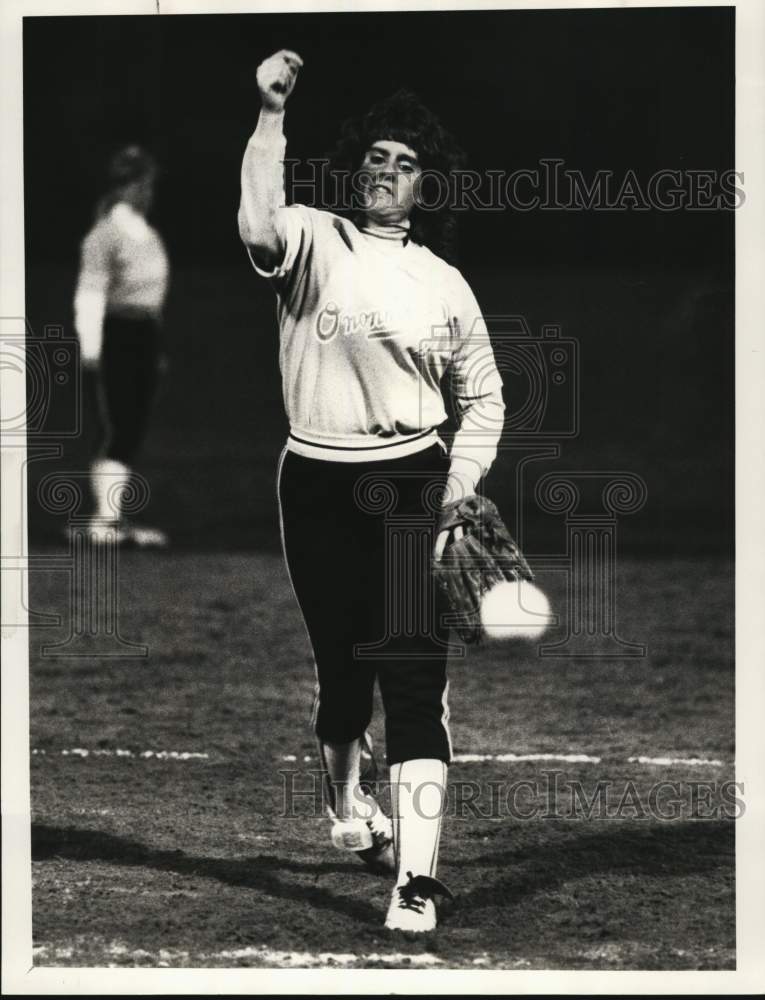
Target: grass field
146, 860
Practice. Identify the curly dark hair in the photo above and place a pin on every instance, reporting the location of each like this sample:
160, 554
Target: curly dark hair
403, 117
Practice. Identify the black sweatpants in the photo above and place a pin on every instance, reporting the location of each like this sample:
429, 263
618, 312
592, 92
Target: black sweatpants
128, 383
358, 540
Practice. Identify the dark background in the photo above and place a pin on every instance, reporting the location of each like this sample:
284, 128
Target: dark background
647, 295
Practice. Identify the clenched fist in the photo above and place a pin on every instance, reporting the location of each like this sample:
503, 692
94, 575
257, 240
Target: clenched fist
276, 77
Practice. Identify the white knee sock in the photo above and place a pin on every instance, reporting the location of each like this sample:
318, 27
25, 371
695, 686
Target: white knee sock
343, 764
418, 793
109, 479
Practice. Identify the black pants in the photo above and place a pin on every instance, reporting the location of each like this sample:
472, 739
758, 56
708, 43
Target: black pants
358, 540
127, 384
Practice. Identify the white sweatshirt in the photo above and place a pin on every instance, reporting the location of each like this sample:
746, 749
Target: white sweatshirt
368, 330
123, 269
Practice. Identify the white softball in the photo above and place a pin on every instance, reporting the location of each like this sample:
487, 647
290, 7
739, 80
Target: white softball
515, 610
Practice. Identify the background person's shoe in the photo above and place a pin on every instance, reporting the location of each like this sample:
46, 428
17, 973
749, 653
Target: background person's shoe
99, 530
123, 533
146, 538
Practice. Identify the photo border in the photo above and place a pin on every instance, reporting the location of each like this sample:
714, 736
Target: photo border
18, 975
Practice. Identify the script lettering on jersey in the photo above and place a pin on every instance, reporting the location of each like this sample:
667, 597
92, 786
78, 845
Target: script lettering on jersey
374, 323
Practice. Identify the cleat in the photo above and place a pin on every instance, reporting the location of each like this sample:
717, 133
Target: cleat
351, 835
412, 908
371, 839
379, 857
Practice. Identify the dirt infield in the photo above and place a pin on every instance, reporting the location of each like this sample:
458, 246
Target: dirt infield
184, 829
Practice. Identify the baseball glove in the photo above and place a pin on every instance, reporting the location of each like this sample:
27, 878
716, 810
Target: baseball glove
485, 555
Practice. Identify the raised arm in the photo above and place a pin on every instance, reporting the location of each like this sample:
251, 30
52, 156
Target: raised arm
263, 162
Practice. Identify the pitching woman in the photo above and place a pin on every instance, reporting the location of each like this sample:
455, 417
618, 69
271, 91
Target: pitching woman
372, 322
117, 312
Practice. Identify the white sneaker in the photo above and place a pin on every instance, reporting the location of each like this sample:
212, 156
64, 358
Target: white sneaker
101, 531
371, 839
104, 531
147, 538
351, 835
412, 908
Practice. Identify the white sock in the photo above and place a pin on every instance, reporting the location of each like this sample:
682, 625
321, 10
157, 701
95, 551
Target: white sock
343, 764
418, 793
109, 479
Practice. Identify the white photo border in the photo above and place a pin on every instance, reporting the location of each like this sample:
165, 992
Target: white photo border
18, 974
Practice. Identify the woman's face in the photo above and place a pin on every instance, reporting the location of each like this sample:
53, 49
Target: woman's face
387, 181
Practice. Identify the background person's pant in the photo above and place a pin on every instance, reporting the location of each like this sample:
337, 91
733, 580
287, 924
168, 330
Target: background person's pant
128, 384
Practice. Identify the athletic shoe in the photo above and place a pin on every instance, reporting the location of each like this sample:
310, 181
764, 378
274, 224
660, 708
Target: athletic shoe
379, 858
146, 538
99, 530
412, 908
370, 839
123, 533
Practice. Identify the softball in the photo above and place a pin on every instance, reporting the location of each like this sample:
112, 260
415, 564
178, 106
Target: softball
515, 610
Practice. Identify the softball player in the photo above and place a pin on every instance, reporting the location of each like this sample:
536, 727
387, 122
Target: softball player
371, 323
117, 313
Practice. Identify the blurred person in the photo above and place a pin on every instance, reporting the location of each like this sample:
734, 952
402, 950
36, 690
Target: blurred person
118, 306
372, 321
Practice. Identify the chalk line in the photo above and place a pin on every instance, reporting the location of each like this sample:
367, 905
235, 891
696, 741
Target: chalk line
259, 954
145, 754
670, 761
566, 758
460, 758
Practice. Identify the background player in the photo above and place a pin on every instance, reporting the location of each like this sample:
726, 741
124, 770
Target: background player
118, 305
371, 320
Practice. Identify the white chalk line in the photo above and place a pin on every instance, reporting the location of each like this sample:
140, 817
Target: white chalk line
670, 761
258, 954
145, 754
566, 758
479, 758
460, 758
